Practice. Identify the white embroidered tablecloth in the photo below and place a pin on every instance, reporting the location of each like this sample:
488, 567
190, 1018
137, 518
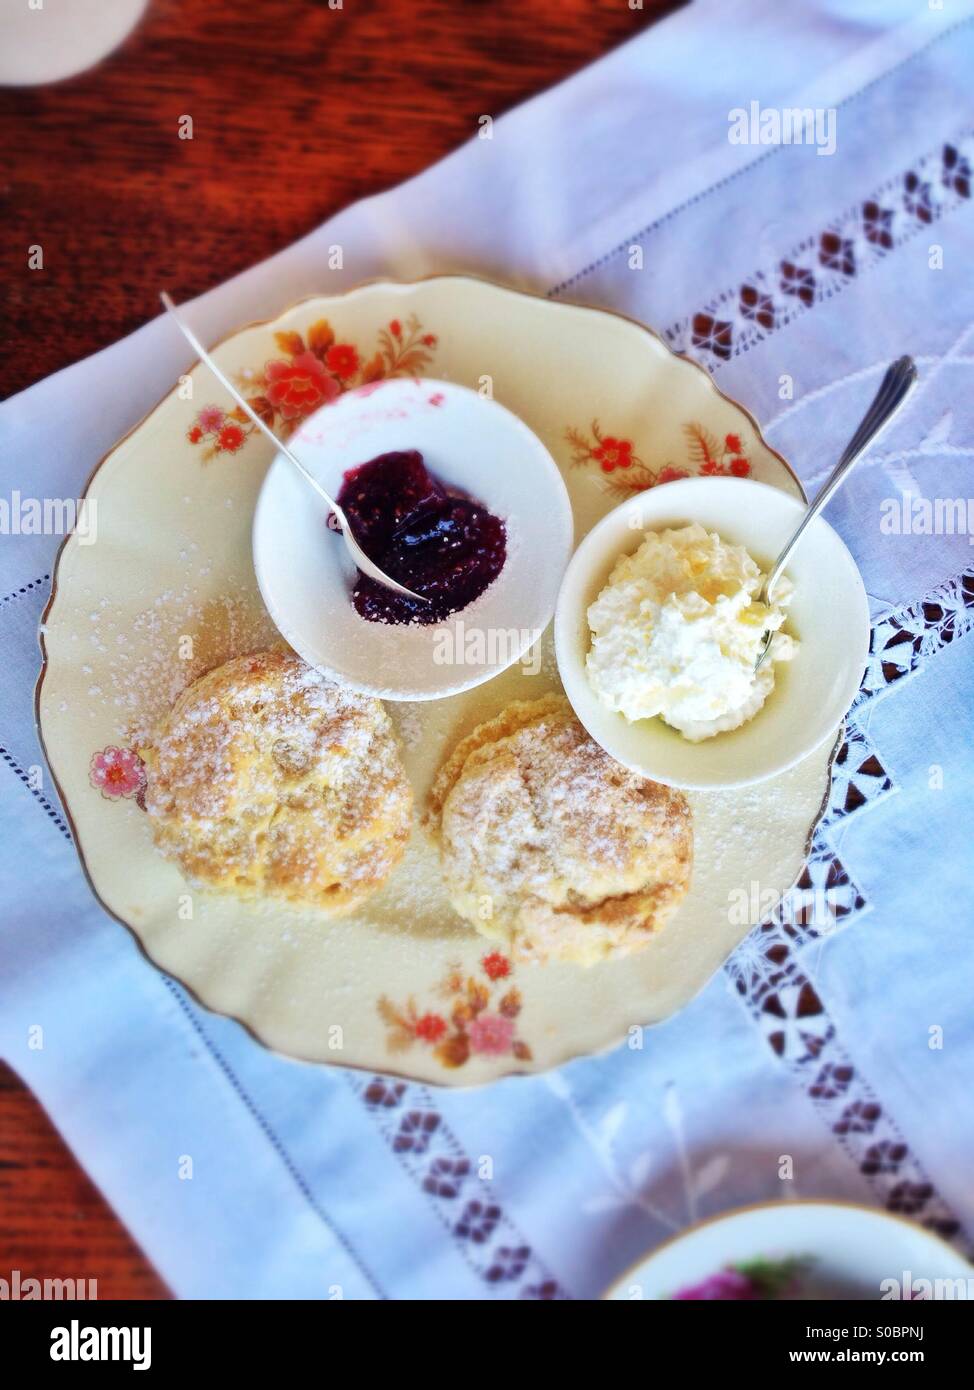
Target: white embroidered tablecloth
794, 277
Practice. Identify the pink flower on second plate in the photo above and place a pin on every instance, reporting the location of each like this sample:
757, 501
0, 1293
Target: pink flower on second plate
728, 1284
491, 1034
116, 772
210, 419
299, 386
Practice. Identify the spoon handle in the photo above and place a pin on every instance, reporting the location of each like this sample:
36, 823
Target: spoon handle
363, 561
221, 376
896, 386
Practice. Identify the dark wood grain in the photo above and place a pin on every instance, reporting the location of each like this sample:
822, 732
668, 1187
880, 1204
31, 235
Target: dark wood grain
297, 110
54, 1223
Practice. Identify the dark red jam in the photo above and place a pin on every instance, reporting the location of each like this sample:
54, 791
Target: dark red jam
445, 547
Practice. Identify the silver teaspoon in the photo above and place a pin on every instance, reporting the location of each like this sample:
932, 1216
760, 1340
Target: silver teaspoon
363, 562
896, 386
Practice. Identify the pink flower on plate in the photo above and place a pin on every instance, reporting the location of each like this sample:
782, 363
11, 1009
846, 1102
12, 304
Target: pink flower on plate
210, 419
491, 1034
299, 386
116, 772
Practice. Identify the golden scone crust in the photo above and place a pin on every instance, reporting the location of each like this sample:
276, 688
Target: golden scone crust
268, 779
551, 846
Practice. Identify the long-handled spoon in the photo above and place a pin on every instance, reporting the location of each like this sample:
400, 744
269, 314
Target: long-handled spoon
896, 386
363, 562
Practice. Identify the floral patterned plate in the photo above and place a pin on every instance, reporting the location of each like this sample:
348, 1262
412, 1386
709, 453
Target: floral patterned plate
807, 1249
168, 591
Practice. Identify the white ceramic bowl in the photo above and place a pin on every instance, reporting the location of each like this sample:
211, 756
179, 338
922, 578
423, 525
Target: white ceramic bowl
854, 1253
829, 615
468, 442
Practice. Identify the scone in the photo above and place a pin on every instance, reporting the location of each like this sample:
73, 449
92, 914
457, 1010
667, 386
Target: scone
552, 847
266, 778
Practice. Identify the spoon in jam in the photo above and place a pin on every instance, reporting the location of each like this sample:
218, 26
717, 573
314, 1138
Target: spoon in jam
359, 556
894, 389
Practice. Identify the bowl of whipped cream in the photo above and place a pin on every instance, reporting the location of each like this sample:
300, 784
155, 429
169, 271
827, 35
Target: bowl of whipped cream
660, 622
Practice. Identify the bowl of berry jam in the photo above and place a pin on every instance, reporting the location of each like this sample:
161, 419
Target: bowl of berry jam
451, 495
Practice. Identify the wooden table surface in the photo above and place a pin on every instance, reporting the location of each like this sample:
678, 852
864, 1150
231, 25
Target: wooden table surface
298, 110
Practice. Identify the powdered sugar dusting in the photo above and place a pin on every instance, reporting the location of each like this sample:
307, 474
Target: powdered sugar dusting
169, 645
266, 778
552, 847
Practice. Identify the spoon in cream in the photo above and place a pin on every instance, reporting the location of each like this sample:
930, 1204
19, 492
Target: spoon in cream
363, 562
894, 389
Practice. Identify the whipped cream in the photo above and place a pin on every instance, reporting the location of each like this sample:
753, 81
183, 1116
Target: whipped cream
677, 629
